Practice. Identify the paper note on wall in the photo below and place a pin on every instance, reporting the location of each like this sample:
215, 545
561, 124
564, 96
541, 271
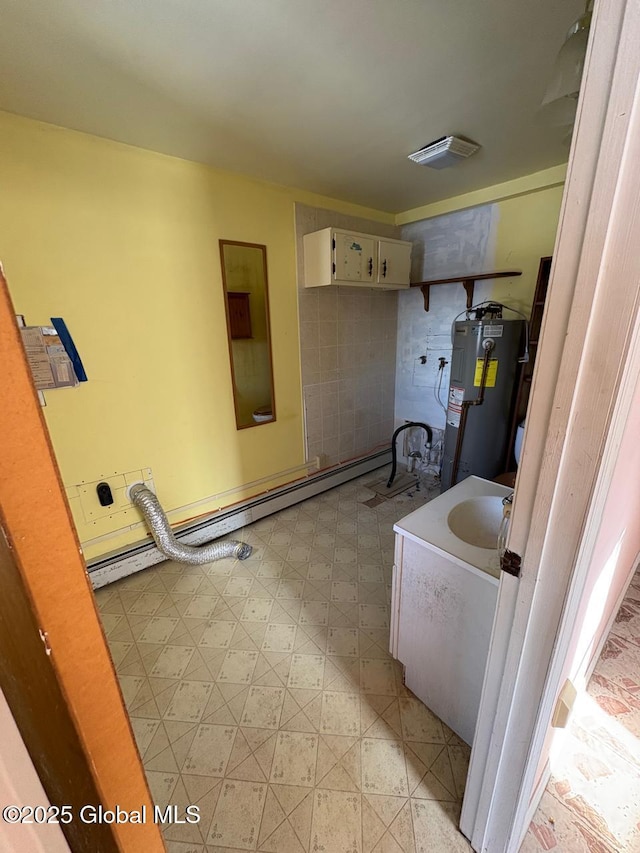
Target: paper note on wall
50, 365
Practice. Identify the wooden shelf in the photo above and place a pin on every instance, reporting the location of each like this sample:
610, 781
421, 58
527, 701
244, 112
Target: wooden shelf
467, 281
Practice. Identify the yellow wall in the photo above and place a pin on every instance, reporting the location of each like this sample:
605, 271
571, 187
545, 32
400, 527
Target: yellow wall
527, 219
526, 232
123, 243
523, 186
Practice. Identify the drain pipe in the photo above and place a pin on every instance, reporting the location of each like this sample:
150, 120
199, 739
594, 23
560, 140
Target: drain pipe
394, 452
167, 544
488, 345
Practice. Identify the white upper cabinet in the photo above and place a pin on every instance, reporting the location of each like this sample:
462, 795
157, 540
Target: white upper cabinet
394, 262
354, 258
347, 258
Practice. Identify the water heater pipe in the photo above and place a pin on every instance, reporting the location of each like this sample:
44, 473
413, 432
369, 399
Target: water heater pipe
163, 536
465, 406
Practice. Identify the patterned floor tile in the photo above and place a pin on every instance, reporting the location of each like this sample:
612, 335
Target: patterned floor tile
340, 713
294, 761
172, 662
201, 606
383, 767
189, 701
236, 820
419, 723
337, 821
263, 691
279, 638
217, 634
435, 827
263, 707
157, 630
210, 751
307, 671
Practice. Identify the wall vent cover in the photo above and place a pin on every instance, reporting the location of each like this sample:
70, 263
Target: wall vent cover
443, 152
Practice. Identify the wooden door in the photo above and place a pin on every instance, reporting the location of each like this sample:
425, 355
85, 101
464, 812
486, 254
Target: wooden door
55, 668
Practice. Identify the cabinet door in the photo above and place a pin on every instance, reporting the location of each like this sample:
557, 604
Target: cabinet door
394, 262
354, 258
445, 619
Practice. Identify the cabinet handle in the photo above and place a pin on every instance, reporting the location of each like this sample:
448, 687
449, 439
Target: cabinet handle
384, 268
370, 267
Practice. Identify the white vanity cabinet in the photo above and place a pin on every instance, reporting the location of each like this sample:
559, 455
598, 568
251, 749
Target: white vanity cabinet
348, 258
440, 630
443, 602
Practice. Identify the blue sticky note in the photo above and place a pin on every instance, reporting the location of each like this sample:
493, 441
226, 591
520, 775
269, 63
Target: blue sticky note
67, 341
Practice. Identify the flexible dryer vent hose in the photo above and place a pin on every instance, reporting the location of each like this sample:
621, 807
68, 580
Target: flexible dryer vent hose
167, 543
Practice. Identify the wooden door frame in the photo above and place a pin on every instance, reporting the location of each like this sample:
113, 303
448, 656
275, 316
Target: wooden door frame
55, 668
589, 357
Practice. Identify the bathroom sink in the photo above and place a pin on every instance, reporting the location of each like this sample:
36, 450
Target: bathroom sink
477, 521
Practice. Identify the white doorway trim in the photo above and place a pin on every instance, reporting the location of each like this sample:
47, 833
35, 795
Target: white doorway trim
589, 355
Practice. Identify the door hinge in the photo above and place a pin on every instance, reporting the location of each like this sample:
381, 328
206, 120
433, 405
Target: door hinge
333, 267
333, 243
510, 563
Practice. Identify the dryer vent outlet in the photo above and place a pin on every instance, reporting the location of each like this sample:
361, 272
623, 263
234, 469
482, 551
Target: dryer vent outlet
128, 489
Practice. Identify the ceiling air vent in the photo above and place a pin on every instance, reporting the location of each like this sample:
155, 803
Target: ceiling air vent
443, 152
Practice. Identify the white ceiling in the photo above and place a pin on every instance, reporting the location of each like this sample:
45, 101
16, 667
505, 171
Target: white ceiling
325, 95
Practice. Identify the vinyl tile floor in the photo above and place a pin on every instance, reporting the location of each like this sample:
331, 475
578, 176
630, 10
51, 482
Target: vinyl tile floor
264, 693
592, 801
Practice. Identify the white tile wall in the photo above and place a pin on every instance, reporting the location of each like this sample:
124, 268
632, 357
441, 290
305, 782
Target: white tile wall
362, 351
461, 242
348, 353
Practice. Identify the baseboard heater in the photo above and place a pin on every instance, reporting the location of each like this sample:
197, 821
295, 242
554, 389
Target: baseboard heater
133, 558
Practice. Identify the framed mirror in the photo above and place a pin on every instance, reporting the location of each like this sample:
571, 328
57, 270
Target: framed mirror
246, 299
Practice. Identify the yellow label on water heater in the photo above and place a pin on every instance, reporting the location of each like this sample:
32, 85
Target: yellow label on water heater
492, 372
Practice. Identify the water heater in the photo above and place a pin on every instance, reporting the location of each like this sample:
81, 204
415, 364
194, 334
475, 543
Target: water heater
484, 368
